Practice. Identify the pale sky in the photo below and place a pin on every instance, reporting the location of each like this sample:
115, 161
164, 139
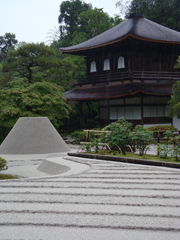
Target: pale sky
31, 20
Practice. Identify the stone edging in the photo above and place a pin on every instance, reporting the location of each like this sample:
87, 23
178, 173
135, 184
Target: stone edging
126, 160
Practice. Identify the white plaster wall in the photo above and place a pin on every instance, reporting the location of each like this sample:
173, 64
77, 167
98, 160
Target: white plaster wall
176, 122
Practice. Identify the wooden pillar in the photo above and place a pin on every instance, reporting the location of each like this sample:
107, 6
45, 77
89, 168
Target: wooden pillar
142, 114
81, 116
99, 113
108, 113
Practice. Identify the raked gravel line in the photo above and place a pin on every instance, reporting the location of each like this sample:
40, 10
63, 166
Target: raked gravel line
107, 201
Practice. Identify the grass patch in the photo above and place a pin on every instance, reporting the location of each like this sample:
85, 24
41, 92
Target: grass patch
136, 156
6, 176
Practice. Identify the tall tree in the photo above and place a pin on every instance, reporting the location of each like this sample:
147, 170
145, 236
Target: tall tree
174, 103
37, 99
165, 12
31, 72
37, 62
68, 18
95, 21
84, 23
6, 42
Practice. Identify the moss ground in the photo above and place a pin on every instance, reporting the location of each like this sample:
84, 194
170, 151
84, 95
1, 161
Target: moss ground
6, 176
137, 156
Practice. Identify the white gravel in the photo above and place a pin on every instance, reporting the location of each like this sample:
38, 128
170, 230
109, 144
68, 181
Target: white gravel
93, 199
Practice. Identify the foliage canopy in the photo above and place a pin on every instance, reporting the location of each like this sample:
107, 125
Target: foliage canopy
37, 99
164, 12
95, 21
6, 42
36, 62
29, 77
80, 22
68, 18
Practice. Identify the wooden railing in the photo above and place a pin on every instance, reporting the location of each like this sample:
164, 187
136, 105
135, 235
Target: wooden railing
127, 75
156, 75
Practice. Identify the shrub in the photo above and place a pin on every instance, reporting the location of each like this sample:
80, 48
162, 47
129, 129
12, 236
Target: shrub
86, 148
164, 150
168, 134
3, 163
80, 135
172, 138
120, 135
176, 152
161, 128
141, 136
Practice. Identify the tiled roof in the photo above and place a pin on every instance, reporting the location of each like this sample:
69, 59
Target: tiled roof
136, 27
103, 91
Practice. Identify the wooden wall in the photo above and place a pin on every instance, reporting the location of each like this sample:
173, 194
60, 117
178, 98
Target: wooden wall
139, 56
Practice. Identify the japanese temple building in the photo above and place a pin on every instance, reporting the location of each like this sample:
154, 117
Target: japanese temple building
130, 71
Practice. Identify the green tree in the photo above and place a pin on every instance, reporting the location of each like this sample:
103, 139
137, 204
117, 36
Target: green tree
79, 22
30, 73
95, 21
92, 23
68, 18
6, 42
178, 63
32, 100
164, 12
37, 62
79, 66
2, 77
174, 102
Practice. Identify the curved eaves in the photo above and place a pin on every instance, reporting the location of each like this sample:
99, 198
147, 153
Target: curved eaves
135, 27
